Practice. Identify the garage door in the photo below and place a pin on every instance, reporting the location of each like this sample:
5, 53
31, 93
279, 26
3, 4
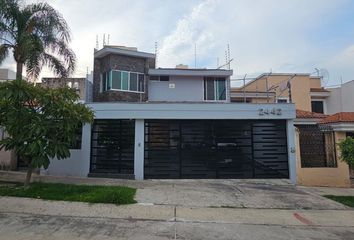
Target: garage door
215, 149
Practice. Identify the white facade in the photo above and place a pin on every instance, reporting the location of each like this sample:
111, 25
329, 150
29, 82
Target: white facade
341, 99
79, 162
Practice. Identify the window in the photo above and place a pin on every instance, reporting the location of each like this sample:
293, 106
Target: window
214, 89
122, 80
317, 147
133, 83
160, 78
317, 106
78, 139
282, 100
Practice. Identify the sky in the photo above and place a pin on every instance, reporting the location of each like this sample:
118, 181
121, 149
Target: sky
263, 35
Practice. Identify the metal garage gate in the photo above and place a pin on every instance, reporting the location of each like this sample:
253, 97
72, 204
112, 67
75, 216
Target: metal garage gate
215, 149
112, 148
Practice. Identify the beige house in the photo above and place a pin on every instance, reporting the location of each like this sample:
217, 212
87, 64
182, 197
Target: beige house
317, 134
302, 89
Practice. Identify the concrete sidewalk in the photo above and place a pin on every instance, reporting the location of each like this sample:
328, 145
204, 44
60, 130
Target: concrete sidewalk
320, 218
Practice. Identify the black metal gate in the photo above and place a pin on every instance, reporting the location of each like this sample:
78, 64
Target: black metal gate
317, 146
112, 148
215, 149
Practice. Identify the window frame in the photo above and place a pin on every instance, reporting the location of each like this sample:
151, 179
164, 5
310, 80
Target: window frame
215, 80
282, 98
323, 105
121, 83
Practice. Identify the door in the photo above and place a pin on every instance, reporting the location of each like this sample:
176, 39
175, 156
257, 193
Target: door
112, 147
215, 149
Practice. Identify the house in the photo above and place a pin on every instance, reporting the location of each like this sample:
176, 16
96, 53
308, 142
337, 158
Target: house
341, 98
78, 84
176, 123
7, 158
304, 90
317, 132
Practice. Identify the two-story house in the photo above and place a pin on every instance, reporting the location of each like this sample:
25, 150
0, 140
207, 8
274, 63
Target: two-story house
176, 123
304, 90
317, 134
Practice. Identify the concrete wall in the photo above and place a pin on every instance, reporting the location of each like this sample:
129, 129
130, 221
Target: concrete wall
323, 177
78, 164
185, 89
341, 99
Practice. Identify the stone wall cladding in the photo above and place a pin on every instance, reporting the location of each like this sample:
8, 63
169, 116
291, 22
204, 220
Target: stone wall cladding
125, 63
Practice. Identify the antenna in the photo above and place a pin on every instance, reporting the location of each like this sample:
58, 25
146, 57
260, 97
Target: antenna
97, 42
104, 39
156, 54
108, 39
217, 62
195, 55
228, 55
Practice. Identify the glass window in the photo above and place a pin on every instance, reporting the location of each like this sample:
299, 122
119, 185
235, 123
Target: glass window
164, 78
154, 78
209, 89
125, 81
133, 82
317, 106
116, 79
220, 89
141, 82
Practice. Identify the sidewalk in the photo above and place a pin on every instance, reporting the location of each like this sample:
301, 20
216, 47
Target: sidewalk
319, 218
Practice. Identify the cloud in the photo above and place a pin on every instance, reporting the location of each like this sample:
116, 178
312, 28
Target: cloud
293, 35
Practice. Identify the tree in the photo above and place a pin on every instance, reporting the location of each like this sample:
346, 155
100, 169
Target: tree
41, 123
38, 35
347, 151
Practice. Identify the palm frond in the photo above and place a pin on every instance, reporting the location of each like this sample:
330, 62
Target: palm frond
4, 51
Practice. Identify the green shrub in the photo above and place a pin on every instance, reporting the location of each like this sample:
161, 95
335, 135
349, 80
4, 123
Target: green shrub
347, 151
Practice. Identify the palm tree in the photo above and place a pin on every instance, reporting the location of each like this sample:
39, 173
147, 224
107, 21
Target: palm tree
38, 36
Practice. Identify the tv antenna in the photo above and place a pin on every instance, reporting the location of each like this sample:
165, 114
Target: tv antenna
156, 52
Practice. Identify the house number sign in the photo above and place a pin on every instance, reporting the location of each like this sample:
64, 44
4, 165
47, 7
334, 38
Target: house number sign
267, 111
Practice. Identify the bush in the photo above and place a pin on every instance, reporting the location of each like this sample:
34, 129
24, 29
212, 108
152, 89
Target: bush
347, 151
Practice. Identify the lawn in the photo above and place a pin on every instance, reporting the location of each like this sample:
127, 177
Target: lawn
346, 200
74, 193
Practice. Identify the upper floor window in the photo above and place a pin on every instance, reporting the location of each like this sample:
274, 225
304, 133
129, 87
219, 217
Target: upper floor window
282, 100
160, 78
214, 89
123, 81
317, 106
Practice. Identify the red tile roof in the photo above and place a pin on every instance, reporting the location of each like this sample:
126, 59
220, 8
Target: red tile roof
307, 114
318, 90
339, 117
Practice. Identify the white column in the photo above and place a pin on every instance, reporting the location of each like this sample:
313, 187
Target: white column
139, 149
291, 149
86, 149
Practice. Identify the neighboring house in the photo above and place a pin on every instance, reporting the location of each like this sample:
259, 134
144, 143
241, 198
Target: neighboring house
78, 84
7, 158
318, 159
305, 91
7, 74
341, 98
176, 123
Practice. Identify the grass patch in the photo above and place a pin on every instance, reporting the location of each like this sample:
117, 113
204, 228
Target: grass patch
346, 200
74, 193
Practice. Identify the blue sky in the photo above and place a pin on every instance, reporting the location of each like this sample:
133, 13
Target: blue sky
264, 35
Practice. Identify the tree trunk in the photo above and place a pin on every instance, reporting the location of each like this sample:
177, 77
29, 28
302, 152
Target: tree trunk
28, 175
19, 69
